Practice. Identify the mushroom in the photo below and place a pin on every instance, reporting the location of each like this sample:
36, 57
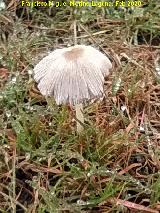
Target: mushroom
73, 75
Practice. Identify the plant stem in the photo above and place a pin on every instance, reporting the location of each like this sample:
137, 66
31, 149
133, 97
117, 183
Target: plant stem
14, 179
75, 32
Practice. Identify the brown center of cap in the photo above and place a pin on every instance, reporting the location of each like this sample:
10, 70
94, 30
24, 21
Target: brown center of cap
73, 53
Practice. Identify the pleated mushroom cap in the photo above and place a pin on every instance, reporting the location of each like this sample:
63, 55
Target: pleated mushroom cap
72, 75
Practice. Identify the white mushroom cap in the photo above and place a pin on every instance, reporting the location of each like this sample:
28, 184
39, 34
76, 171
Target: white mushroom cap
72, 75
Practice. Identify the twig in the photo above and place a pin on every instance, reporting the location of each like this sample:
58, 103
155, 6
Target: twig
93, 34
7, 197
94, 40
131, 60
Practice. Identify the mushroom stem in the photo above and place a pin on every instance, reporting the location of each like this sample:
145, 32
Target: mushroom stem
79, 117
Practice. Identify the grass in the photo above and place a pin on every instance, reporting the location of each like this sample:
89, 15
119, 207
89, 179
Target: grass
113, 166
